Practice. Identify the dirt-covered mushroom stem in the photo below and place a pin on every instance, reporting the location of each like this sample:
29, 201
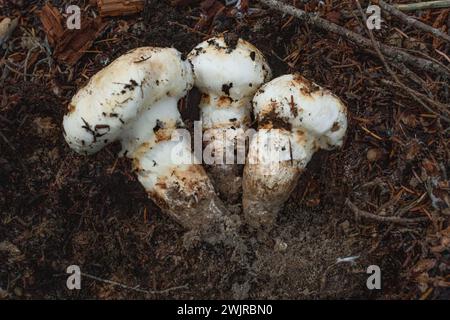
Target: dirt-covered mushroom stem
295, 118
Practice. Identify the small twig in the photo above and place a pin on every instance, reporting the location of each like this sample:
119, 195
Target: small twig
132, 288
413, 22
442, 54
443, 107
25, 63
398, 213
411, 92
14, 70
187, 28
423, 5
371, 216
392, 52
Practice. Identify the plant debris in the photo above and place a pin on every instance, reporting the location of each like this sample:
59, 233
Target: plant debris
113, 8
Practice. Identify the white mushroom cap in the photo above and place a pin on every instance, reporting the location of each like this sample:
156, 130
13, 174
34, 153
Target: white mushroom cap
232, 70
116, 95
301, 104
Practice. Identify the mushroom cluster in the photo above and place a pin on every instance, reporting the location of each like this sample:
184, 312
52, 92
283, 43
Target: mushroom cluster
135, 99
227, 73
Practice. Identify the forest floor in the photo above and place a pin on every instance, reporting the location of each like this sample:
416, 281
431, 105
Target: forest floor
58, 208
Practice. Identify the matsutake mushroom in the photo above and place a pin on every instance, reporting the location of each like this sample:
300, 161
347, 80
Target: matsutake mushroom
134, 101
295, 119
228, 71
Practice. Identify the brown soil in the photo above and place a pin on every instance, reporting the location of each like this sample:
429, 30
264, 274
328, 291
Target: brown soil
58, 208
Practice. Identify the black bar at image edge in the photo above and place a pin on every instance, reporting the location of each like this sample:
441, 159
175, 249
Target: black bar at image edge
217, 309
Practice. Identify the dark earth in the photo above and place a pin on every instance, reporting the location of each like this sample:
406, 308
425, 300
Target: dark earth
58, 208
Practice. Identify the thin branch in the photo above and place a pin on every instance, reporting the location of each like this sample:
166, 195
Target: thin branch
413, 22
415, 95
392, 52
442, 107
392, 219
424, 5
114, 283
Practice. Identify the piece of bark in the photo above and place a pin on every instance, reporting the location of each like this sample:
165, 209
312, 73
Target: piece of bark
74, 43
52, 21
112, 8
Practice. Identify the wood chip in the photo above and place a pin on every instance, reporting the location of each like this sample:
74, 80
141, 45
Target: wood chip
52, 21
74, 43
112, 8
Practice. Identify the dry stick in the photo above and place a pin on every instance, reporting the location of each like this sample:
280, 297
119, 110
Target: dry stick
413, 22
131, 288
424, 5
392, 52
443, 107
411, 92
368, 215
399, 213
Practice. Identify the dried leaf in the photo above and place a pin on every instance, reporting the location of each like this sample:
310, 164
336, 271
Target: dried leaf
409, 119
14, 254
424, 265
413, 150
44, 125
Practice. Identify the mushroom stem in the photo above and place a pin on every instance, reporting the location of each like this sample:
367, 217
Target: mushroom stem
269, 176
165, 166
